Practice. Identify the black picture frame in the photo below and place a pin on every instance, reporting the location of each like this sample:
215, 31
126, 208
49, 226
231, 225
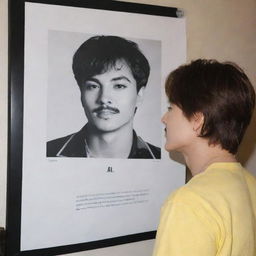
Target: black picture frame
15, 121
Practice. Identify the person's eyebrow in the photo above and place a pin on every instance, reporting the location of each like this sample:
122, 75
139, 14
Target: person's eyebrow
91, 79
121, 78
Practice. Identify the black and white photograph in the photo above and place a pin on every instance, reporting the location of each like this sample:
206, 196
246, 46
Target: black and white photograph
114, 79
92, 159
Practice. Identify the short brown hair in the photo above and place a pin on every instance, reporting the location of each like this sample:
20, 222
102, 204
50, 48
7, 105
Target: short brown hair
221, 92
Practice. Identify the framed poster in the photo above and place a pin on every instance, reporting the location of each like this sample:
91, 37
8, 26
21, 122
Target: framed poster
86, 161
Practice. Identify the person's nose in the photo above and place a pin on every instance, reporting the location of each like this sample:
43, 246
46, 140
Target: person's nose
105, 96
164, 118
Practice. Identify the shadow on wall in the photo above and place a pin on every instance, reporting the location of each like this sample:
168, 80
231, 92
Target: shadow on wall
247, 146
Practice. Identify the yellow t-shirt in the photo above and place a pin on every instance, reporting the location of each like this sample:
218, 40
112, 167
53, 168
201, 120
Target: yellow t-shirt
213, 214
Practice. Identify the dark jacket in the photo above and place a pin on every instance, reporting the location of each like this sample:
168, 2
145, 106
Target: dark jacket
74, 146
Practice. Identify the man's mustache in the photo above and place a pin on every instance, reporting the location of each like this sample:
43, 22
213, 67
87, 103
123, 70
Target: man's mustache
105, 107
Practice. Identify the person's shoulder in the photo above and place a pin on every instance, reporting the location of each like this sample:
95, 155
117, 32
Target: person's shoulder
54, 146
220, 176
216, 175
182, 194
220, 184
184, 197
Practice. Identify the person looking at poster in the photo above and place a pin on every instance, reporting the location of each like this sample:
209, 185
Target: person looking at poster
112, 74
211, 105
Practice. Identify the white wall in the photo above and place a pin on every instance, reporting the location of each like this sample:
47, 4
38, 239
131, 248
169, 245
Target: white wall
224, 30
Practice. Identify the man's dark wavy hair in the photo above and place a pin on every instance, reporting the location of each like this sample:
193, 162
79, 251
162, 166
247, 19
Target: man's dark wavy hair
221, 92
99, 53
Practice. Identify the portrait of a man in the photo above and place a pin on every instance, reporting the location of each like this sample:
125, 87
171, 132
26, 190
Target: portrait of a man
112, 74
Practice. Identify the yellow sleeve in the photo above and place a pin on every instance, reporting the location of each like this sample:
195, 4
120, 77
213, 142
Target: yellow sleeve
183, 232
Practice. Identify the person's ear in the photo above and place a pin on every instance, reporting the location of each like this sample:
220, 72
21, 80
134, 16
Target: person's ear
140, 96
198, 122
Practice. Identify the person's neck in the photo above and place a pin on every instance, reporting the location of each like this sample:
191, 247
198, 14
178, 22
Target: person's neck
199, 157
115, 144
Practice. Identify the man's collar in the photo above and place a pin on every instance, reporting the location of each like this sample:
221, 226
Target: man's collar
76, 146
